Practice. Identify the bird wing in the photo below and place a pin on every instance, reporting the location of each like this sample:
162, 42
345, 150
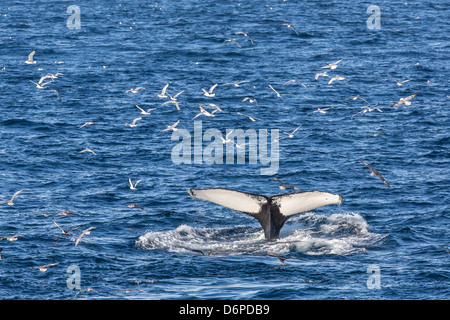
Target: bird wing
212, 88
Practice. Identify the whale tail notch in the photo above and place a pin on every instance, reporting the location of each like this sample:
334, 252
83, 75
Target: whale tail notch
271, 212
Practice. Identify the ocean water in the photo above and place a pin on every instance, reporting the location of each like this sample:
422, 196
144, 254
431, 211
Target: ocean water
380, 243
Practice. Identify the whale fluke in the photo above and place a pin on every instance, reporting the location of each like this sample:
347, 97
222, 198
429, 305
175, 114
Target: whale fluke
271, 212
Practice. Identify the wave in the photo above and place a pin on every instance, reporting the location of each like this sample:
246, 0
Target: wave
309, 234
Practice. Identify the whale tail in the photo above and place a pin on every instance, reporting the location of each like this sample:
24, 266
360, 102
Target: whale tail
271, 212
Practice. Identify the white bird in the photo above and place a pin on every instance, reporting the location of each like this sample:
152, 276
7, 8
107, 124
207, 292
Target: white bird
44, 268
30, 58
290, 26
332, 65
284, 186
276, 92
209, 93
85, 232
320, 74
40, 85
368, 109
245, 34
175, 102
88, 123
336, 78
88, 150
145, 112
250, 117
10, 201
321, 110
135, 90
233, 40
133, 185
293, 80
237, 83
205, 113
251, 100
163, 92
399, 83
227, 139
289, 134
172, 127
12, 238
175, 96
53, 90
211, 105
405, 101
133, 124
357, 97
66, 232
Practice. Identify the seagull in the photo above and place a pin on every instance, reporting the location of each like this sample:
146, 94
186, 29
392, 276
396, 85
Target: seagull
282, 259
332, 65
211, 105
250, 117
446, 250
294, 80
399, 83
12, 238
88, 150
210, 93
368, 109
10, 201
227, 139
404, 100
202, 253
375, 173
135, 90
233, 40
336, 78
375, 134
321, 110
320, 74
40, 85
88, 123
357, 97
251, 100
276, 92
44, 268
289, 134
283, 186
245, 34
239, 146
133, 185
66, 232
88, 289
177, 103
290, 26
30, 58
174, 98
145, 112
133, 124
237, 83
59, 97
205, 113
172, 127
163, 92
85, 232
61, 213
133, 205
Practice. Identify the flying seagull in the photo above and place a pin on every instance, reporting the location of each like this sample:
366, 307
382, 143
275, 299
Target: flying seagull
246, 35
368, 109
336, 78
85, 232
203, 254
145, 112
320, 74
227, 139
375, 173
88, 150
209, 93
250, 117
133, 205
88, 123
133, 185
375, 134
66, 232
233, 40
59, 96
284, 186
175, 102
237, 83
289, 134
332, 65
44, 268
357, 97
133, 124
276, 92
399, 83
40, 85
30, 58
172, 127
251, 100
135, 90
282, 259
294, 80
12, 238
290, 26
10, 201
405, 101
321, 110
205, 113
163, 92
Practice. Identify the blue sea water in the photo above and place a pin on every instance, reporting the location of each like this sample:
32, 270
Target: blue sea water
380, 243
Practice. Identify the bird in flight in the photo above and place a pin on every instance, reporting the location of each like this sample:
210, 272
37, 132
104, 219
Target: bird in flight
44, 268
332, 65
405, 101
399, 83
30, 58
284, 186
209, 93
85, 232
290, 26
375, 173
10, 201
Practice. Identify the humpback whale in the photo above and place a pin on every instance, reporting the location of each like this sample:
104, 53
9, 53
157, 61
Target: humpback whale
271, 212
